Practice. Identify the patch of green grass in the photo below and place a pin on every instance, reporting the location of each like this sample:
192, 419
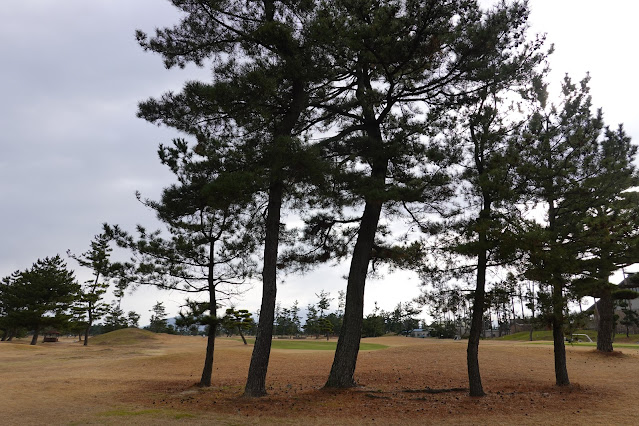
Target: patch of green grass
545, 335
130, 413
525, 335
315, 345
593, 345
632, 338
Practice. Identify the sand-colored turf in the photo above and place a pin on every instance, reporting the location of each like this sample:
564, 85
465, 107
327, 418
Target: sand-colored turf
150, 379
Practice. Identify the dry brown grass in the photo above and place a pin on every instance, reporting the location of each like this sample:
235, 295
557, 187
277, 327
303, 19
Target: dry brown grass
151, 380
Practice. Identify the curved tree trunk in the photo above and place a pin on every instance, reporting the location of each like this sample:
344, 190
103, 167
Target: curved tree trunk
343, 369
476, 325
472, 352
256, 380
605, 325
207, 371
239, 330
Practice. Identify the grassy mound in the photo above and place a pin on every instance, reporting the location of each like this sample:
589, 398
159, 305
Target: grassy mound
124, 336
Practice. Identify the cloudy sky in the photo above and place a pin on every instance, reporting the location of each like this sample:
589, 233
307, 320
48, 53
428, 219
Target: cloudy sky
73, 153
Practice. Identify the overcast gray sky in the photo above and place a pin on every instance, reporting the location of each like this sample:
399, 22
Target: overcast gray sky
72, 152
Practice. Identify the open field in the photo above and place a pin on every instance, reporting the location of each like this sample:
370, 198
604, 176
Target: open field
150, 379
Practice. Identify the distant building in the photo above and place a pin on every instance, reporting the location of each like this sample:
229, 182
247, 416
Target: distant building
420, 332
631, 282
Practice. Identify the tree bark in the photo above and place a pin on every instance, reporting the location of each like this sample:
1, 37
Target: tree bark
476, 324
472, 352
530, 337
36, 333
532, 315
239, 330
256, 380
605, 324
343, 369
207, 371
561, 371
86, 332
345, 360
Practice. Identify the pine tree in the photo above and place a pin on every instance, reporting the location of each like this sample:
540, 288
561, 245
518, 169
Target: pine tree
10, 306
114, 318
264, 71
557, 149
133, 319
484, 224
386, 157
211, 226
98, 260
240, 319
609, 229
43, 294
158, 323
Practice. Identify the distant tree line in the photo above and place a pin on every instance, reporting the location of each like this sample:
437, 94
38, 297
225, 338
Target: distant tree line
47, 297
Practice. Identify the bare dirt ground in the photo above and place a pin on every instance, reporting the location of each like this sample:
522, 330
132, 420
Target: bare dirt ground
153, 382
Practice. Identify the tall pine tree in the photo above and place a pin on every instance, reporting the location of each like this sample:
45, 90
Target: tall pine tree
399, 64
264, 71
98, 260
608, 231
211, 227
557, 148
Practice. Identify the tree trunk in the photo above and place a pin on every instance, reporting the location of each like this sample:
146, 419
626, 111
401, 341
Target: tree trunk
532, 316
531, 330
476, 324
343, 369
472, 352
86, 332
256, 380
605, 325
36, 332
239, 329
561, 371
207, 371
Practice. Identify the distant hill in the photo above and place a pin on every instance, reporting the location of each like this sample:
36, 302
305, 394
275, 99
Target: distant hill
124, 336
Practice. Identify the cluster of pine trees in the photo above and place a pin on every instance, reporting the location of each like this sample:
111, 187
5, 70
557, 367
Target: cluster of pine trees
399, 133
47, 296
358, 115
